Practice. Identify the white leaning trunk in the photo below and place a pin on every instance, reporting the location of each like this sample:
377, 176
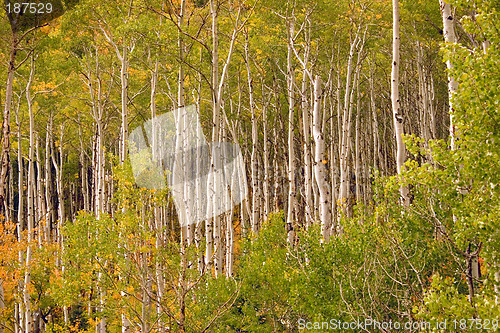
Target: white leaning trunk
320, 169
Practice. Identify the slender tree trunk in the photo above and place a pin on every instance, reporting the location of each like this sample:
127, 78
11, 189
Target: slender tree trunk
31, 203
5, 157
346, 132
217, 85
230, 232
267, 167
213, 223
61, 209
186, 226
357, 151
255, 139
100, 162
198, 181
124, 100
41, 208
19, 326
291, 148
308, 177
320, 164
449, 37
2, 304
84, 176
396, 108
48, 186
377, 157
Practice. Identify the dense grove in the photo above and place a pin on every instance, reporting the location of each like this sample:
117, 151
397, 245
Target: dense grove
369, 133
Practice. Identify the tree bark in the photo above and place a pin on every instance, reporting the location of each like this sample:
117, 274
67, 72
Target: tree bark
320, 164
345, 136
5, 157
308, 177
31, 203
267, 167
449, 37
396, 107
291, 153
255, 139
20, 218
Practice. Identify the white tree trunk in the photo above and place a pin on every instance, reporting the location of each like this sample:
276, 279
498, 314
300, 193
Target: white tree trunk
19, 326
255, 139
345, 134
217, 84
320, 162
396, 108
41, 208
267, 167
357, 151
31, 204
212, 228
124, 100
5, 142
291, 154
48, 185
449, 37
308, 178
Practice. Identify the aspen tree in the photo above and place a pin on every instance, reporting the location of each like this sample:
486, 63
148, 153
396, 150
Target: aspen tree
276, 168
357, 152
31, 204
84, 172
214, 239
186, 226
123, 57
320, 168
60, 209
449, 37
345, 132
159, 226
212, 227
98, 162
229, 231
291, 114
48, 186
255, 139
267, 167
5, 156
396, 107
20, 217
198, 181
41, 209
309, 209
